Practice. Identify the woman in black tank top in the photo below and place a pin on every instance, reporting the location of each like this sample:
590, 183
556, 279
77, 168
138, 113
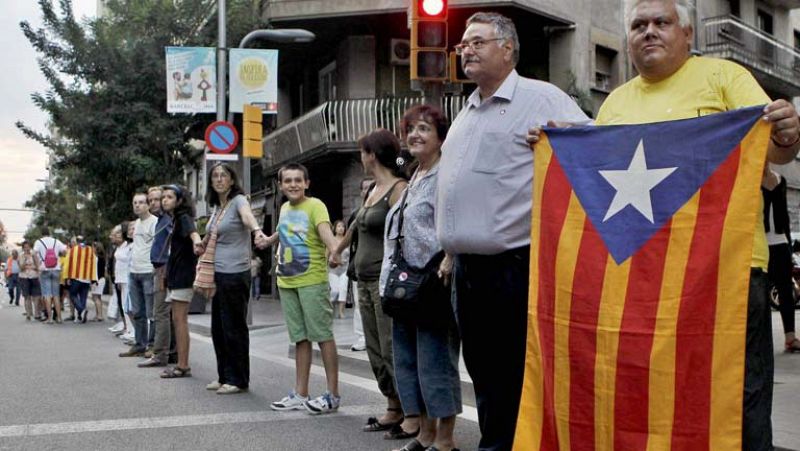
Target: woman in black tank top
380, 156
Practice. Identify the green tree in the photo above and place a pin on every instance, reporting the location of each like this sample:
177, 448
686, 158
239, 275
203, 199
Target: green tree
110, 133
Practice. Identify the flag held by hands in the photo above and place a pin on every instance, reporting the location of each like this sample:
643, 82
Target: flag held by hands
642, 238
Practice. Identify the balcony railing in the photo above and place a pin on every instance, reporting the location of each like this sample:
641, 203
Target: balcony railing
728, 37
343, 121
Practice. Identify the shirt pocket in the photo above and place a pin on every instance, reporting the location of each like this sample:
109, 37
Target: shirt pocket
494, 153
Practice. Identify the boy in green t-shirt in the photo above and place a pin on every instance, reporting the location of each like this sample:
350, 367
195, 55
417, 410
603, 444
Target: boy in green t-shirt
304, 232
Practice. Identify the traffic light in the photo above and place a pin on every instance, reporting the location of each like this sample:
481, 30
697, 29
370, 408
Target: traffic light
429, 40
253, 130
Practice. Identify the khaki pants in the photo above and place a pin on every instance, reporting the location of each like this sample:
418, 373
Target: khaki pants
378, 336
163, 343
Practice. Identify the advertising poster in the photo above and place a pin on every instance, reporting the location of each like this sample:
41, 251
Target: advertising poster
191, 80
254, 79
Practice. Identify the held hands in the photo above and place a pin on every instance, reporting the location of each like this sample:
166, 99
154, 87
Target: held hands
335, 259
261, 240
785, 123
199, 249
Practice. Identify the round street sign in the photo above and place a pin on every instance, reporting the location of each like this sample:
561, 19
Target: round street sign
222, 137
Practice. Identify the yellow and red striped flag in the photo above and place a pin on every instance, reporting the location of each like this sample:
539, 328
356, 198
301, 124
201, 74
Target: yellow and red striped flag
642, 238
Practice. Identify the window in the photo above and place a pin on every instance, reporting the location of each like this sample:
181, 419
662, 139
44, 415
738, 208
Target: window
327, 83
604, 58
734, 6
764, 21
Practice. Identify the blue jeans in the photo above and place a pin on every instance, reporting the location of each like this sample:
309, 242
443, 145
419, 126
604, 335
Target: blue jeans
12, 283
141, 293
77, 295
426, 369
255, 287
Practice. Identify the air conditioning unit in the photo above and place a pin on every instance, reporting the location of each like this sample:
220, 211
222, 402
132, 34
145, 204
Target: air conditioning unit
400, 52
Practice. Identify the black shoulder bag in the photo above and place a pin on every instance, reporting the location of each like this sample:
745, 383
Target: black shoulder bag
411, 293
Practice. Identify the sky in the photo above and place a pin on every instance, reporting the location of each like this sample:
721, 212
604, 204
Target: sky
23, 160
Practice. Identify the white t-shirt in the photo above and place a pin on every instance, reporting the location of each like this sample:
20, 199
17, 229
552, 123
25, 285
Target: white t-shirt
122, 263
41, 245
142, 242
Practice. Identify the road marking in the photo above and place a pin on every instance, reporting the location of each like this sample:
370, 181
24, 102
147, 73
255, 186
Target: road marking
125, 424
469, 413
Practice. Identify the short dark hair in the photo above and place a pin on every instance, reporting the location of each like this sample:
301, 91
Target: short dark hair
293, 167
45, 230
429, 114
386, 147
212, 198
182, 193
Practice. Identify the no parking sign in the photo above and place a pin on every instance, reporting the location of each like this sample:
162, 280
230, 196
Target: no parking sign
222, 137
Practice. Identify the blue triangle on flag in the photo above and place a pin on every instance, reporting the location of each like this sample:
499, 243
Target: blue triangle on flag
694, 147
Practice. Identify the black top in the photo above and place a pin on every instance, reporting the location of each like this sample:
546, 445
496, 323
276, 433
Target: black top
101, 267
182, 261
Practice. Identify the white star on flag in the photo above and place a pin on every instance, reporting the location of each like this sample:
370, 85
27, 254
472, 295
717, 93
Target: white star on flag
633, 185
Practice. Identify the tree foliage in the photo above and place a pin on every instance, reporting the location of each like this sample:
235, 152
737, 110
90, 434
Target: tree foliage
109, 133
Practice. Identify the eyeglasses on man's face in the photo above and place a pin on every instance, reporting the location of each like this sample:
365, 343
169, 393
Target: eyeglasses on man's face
475, 44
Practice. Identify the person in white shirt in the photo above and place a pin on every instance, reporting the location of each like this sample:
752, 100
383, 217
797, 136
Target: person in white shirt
48, 249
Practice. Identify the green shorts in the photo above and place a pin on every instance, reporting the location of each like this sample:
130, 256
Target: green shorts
308, 313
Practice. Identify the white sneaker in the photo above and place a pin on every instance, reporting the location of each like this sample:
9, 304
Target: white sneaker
213, 385
127, 336
116, 327
291, 402
324, 403
359, 345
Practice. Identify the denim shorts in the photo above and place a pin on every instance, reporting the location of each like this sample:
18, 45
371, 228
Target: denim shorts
308, 313
48, 279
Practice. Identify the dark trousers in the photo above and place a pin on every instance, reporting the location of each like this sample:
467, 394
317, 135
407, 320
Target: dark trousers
780, 274
78, 291
759, 368
12, 283
229, 330
491, 302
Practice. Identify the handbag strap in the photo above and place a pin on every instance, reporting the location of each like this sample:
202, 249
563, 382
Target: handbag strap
398, 244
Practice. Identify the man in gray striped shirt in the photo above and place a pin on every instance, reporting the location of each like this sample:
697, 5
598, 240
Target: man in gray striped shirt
483, 214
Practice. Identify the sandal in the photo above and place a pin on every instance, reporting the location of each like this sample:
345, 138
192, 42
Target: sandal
792, 346
413, 445
172, 373
397, 433
374, 425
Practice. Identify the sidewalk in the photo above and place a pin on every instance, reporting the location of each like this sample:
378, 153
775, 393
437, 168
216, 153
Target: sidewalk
268, 332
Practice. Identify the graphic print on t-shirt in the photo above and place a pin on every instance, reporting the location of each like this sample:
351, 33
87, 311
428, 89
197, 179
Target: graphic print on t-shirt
294, 257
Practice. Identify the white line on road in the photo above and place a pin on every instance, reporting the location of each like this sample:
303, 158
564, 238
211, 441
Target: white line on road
125, 424
469, 413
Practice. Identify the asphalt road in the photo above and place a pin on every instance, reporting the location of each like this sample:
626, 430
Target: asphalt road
64, 388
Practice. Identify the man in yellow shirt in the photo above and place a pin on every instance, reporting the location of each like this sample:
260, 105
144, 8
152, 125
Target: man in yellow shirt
673, 85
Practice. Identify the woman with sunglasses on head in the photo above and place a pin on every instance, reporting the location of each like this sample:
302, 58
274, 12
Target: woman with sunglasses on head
177, 202
223, 274
380, 157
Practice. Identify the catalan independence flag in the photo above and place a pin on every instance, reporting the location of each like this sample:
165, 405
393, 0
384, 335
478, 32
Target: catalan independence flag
641, 245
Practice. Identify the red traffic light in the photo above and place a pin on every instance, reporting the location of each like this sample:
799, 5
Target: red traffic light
432, 8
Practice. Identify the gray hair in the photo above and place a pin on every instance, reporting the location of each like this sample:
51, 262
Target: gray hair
503, 28
683, 8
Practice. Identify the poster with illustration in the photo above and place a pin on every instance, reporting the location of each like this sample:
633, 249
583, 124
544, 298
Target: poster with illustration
254, 79
191, 80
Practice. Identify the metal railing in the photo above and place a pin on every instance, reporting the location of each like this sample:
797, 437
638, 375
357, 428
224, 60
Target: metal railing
344, 121
728, 37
